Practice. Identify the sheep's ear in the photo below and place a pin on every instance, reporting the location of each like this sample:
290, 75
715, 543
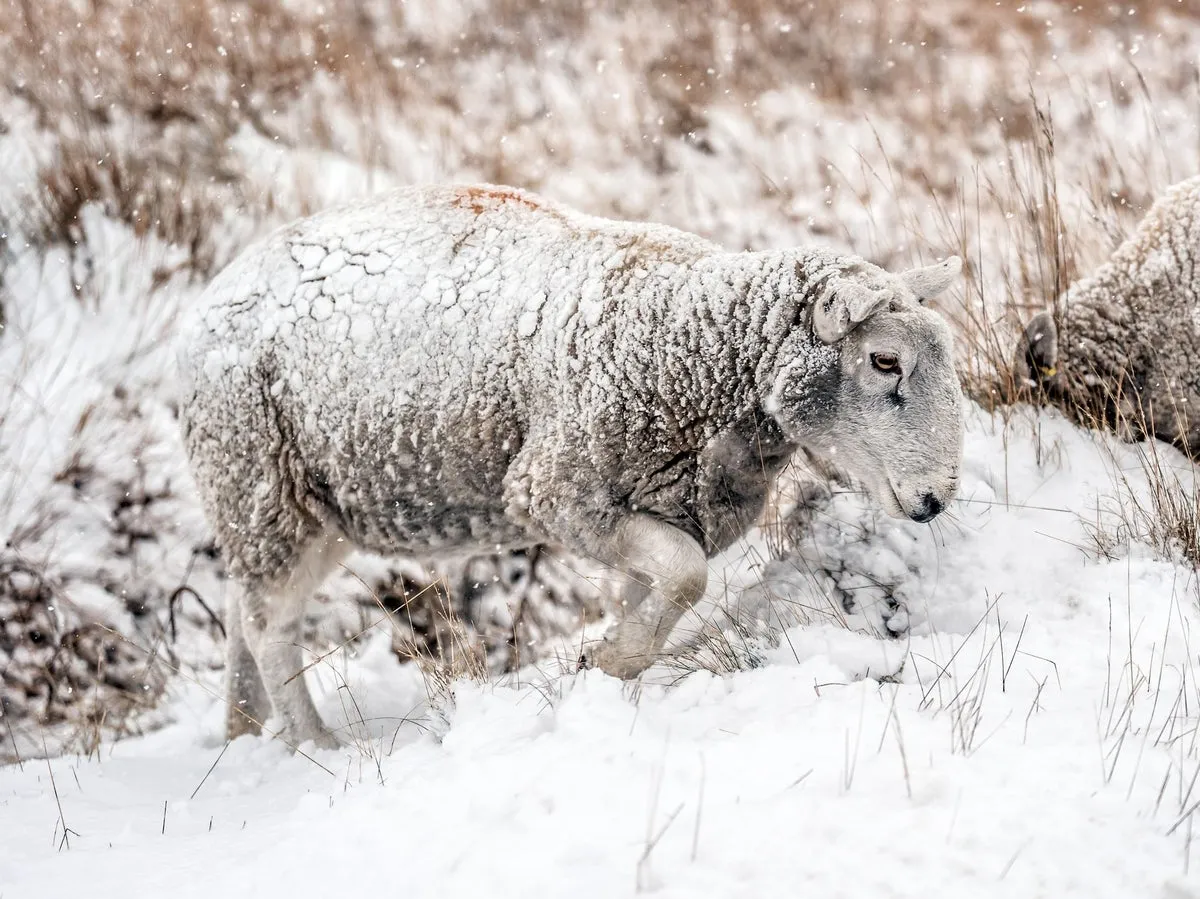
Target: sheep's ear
1036, 358
931, 280
845, 304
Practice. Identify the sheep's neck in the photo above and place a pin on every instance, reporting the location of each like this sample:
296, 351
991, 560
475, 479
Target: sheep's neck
730, 316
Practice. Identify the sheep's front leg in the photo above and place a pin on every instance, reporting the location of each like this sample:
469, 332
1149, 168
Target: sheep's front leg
667, 572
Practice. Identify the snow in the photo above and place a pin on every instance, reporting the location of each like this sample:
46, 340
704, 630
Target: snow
1052, 757
1032, 734
1008, 708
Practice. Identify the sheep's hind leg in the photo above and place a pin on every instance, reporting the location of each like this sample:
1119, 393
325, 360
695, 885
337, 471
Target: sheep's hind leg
668, 572
247, 702
273, 619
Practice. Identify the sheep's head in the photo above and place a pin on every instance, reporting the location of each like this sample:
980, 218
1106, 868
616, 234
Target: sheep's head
892, 405
1126, 387
1036, 360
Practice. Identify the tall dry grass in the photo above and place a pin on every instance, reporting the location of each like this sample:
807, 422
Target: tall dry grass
144, 126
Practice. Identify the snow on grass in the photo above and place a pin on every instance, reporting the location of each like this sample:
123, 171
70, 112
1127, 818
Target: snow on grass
1002, 704
1033, 733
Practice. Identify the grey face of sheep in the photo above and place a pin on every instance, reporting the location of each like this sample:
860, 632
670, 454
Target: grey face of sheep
1132, 403
1036, 360
897, 421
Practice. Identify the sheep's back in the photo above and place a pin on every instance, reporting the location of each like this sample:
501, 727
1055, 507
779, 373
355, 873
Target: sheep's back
402, 345
1131, 337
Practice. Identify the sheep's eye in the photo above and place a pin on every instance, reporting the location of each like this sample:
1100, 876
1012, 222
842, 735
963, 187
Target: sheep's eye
886, 363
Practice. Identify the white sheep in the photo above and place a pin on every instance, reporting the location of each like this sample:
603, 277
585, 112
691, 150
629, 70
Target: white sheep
462, 369
1123, 347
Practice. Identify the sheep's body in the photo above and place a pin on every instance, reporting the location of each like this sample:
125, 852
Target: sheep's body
1126, 350
407, 356
448, 370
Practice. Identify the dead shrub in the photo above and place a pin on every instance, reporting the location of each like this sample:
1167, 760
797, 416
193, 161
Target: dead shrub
174, 202
61, 667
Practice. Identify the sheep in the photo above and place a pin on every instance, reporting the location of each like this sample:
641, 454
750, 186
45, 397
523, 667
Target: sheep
1122, 348
450, 370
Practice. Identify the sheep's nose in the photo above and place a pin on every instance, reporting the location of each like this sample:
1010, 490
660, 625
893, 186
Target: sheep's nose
929, 509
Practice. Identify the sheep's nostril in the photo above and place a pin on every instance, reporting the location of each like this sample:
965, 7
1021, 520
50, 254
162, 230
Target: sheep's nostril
929, 509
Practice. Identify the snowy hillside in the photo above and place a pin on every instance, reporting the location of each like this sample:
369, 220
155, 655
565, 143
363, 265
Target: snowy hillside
1032, 735
1003, 703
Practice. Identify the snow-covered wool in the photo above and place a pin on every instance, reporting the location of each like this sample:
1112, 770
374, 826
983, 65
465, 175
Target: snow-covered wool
454, 369
1122, 347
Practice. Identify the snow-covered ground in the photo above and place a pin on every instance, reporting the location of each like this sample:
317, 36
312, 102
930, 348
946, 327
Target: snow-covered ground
1034, 734
1003, 703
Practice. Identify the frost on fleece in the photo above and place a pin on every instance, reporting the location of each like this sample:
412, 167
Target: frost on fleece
516, 354
469, 368
1126, 348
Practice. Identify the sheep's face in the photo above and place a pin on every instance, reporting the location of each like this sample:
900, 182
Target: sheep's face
895, 418
899, 424
1130, 394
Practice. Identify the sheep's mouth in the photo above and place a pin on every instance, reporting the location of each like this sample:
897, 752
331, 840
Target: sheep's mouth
890, 500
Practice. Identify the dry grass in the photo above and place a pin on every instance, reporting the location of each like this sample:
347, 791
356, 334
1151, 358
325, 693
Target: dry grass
218, 64
1157, 504
171, 201
145, 127
1045, 265
63, 668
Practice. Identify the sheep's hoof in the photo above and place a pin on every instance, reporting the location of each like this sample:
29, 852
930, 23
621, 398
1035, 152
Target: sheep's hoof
240, 725
604, 655
326, 740
321, 739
